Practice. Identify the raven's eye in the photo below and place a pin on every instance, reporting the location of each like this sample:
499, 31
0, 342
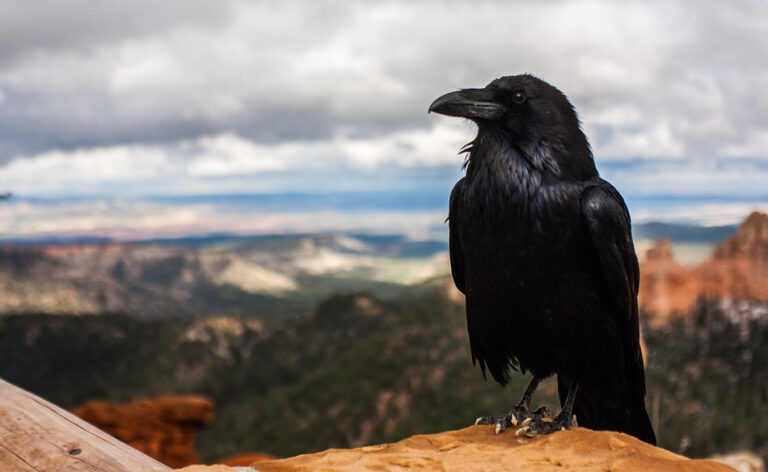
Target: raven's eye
518, 97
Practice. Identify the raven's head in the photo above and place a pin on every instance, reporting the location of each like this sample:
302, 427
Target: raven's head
530, 116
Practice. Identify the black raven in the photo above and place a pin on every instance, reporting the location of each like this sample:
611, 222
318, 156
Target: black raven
541, 247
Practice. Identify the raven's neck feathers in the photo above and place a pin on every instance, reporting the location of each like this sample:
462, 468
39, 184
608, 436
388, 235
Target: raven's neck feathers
528, 163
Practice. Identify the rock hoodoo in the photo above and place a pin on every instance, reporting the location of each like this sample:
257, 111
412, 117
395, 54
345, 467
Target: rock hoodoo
162, 427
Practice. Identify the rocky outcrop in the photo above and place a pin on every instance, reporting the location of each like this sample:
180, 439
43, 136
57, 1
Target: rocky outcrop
477, 448
737, 270
750, 240
162, 427
665, 286
246, 459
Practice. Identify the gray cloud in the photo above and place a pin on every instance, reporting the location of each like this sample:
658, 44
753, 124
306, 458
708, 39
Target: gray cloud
51, 27
657, 79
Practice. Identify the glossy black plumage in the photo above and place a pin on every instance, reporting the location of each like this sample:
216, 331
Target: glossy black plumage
541, 247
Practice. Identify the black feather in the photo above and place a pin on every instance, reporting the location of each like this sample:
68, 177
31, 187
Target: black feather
541, 246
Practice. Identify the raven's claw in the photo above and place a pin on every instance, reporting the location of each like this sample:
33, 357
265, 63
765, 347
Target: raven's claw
537, 427
520, 414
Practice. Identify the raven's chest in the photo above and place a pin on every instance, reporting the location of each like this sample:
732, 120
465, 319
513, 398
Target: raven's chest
499, 221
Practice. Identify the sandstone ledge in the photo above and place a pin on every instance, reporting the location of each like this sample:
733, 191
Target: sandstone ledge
477, 448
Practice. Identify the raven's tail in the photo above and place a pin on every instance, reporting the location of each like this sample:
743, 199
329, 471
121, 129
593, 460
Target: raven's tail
601, 408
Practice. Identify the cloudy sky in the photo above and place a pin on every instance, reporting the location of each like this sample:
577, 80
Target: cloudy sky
107, 105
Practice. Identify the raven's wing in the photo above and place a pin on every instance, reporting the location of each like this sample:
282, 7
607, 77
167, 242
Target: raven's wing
608, 225
606, 219
457, 256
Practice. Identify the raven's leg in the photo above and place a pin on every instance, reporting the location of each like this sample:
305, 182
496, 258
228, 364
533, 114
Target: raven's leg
521, 412
563, 420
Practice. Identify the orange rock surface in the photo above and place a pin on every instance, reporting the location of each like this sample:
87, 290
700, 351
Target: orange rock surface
737, 270
246, 459
477, 448
162, 427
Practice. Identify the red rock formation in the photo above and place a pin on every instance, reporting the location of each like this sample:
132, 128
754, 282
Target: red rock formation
739, 266
162, 427
750, 240
666, 287
737, 270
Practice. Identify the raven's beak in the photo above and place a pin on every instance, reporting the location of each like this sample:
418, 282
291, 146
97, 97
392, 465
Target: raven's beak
469, 103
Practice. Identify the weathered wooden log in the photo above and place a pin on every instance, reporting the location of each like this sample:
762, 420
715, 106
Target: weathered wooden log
38, 436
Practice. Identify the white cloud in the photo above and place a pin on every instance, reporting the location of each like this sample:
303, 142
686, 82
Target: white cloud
189, 163
754, 144
437, 146
201, 92
657, 140
229, 154
143, 70
113, 163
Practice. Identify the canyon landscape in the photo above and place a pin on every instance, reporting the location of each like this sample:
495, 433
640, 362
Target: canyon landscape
300, 352
737, 270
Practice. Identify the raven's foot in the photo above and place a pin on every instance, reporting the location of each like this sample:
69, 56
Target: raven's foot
520, 414
534, 428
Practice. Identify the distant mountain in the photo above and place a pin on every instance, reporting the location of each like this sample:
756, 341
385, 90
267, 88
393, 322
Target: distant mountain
139, 280
681, 233
265, 276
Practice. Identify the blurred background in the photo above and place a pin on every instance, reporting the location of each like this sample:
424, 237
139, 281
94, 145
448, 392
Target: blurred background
240, 206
